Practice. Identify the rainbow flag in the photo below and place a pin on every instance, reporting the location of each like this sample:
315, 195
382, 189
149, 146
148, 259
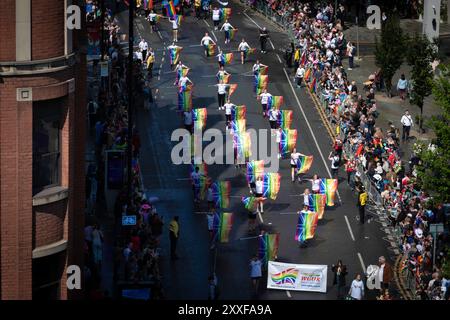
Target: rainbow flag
232, 33
288, 276
179, 19
238, 113
196, 143
174, 54
285, 119
251, 50
304, 164
225, 78
202, 168
222, 225
312, 86
307, 74
170, 7
271, 185
263, 70
255, 169
243, 143
148, 4
288, 140
225, 14
268, 247
317, 203
182, 72
249, 203
199, 116
232, 89
239, 125
261, 82
185, 99
211, 49
275, 102
303, 60
228, 58
221, 193
329, 187
306, 227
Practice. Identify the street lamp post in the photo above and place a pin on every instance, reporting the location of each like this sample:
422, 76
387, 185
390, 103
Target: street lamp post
130, 100
102, 21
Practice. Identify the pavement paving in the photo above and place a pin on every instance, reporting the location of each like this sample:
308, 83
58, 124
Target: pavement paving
339, 235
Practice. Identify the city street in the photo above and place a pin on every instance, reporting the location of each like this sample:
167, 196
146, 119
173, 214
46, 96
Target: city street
338, 236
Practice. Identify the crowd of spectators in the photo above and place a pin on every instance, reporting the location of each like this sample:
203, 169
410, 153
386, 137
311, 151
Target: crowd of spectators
369, 151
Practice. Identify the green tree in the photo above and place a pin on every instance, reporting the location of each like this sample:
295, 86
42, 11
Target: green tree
434, 171
420, 55
390, 50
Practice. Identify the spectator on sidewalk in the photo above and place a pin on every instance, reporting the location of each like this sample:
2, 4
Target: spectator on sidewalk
255, 272
340, 272
335, 163
385, 274
174, 233
351, 51
402, 87
97, 245
357, 288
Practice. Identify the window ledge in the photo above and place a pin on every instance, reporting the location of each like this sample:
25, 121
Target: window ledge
50, 195
50, 249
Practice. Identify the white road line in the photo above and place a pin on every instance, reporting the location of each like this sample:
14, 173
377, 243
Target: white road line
207, 23
288, 294
251, 20
279, 59
310, 129
162, 59
195, 45
214, 36
159, 34
288, 213
349, 228
271, 43
362, 262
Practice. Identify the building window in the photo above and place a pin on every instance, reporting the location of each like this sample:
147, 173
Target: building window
47, 125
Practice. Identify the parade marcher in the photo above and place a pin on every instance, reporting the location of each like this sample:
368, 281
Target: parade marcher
174, 234
305, 195
303, 243
175, 27
221, 93
210, 221
182, 82
213, 288
263, 36
226, 27
206, 40
340, 271
143, 46
172, 46
221, 73
362, 200
259, 185
178, 70
188, 122
316, 181
335, 163
274, 115
228, 109
195, 180
264, 97
150, 62
255, 272
299, 75
357, 288
198, 8
216, 18
220, 59
294, 160
152, 19
257, 67
243, 49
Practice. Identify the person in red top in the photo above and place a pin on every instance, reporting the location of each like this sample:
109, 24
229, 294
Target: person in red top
350, 168
136, 241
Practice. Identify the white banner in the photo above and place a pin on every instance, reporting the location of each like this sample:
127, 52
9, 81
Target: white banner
298, 277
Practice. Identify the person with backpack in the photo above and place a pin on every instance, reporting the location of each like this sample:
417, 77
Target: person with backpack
335, 163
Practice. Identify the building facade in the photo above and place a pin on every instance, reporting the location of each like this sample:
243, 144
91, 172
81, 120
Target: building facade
42, 135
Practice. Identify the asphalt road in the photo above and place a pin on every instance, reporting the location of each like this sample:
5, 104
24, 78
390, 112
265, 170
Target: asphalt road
338, 236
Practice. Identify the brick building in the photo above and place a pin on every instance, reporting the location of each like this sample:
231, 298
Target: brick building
42, 134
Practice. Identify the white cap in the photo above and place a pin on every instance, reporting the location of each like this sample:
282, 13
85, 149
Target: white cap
419, 233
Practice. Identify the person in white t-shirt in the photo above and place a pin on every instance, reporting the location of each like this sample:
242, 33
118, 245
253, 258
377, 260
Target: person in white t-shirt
274, 114
294, 160
221, 93
227, 27
264, 97
205, 42
143, 46
221, 73
228, 109
216, 17
407, 123
175, 26
188, 122
305, 195
152, 19
138, 56
255, 272
299, 75
357, 288
257, 67
316, 181
243, 48
259, 189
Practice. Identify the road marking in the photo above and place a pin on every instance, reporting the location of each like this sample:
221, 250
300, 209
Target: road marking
349, 228
271, 43
362, 262
288, 213
195, 45
288, 294
279, 59
214, 36
252, 20
207, 23
310, 129
159, 34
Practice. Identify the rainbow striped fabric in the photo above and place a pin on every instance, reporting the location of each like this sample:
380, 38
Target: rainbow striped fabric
307, 74
182, 72
329, 187
261, 82
239, 126
263, 70
275, 102
232, 33
174, 54
268, 247
285, 119
304, 164
251, 50
185, 99
242, 142
211, 49
148, 4
179, 19
222, 224
199, 117
288, 141
249, 203
317, 203
224, 77
288, 276
232, 89
238, 113
306, 226
312, 86
221, 194
170, 7
225, 14
202, 168
255, 169
271, 185
228, 58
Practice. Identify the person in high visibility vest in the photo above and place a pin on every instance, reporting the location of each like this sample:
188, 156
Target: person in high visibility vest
198, 7
150, 62
362, 200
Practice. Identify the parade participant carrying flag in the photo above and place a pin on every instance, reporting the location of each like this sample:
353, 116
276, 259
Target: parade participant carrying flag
221, 93
229, 31
268, 247
196, 176
216, 17
294, 161
223, 75
174, 54
206, 42
183, 83
259, 69
306, 226
153, 19
180, 70
243, 49
175, 20
264, 97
